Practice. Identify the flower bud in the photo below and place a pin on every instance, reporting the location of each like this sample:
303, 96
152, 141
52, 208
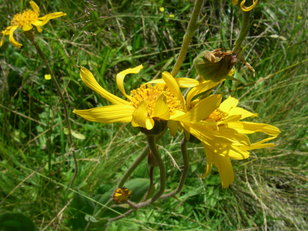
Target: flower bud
214, 65
121, 195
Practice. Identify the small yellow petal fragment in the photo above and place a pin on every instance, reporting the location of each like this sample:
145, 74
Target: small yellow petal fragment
47, 77
171, 16
161, 9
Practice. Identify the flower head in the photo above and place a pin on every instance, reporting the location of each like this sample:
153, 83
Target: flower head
219, 126
150, 102
26, 20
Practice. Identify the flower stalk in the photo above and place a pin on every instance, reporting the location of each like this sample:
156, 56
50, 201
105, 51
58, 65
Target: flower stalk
245, 20
31, 38
192, 26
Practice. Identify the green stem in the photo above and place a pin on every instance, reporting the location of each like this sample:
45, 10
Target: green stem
162, 170
188, 36
184, 172
244, 31
58, 88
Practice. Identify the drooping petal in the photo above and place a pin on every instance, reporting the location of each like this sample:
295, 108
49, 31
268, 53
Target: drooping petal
204, 86
88, 78
45, 19
107, 114
202, 109
120, 77
35, 7
27, 27
161, 109
12, 39
39, 29
173, 87
223, 165
141, 118
238, 152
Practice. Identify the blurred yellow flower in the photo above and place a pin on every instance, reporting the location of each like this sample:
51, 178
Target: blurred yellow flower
151, 101
242, 4
25, 21
161, 9
47, 77
171, 15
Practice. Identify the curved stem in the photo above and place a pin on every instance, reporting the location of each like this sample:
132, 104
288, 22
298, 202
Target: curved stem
184, 172
58, 88
188, 36
244, 31
162, 170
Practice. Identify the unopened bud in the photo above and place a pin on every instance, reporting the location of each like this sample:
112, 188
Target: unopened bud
121, 195
214, 65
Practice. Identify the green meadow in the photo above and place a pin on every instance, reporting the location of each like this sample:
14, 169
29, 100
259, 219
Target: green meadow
51, 182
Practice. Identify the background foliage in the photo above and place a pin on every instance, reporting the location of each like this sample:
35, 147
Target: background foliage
270, 190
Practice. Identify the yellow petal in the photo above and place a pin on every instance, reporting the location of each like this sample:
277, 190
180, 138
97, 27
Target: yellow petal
141, 118
39, 29
228, 104
187, 82
203, 87
173, 86
248, 8
12, 39
35, 7
223, 165
202, 109
238, 153
242, 112
45, 19
107, 114
120, 77
88, 78
161, 109
27, 27
251, 127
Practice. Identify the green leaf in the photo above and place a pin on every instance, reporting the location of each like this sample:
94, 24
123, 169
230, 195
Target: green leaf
16, 222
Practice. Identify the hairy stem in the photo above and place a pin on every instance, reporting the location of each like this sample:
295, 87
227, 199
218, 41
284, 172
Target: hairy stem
188, 36
244, 31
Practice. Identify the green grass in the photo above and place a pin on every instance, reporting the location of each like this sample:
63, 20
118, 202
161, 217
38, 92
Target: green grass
270, 190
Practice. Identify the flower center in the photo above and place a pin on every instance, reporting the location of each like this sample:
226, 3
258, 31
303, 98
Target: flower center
149, 94
217, 115
25, 18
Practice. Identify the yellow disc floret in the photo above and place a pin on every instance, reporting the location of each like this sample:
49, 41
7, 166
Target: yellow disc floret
217, 115
25, 18
149, 95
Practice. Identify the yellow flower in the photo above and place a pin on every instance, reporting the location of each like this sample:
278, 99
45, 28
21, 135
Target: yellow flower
224, 136
26, 20
151, 101
242, 5
219, 127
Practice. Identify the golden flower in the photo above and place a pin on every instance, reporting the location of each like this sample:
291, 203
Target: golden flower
25, 21
242, 4
151, 101
224, 136
219, 126
121, 195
